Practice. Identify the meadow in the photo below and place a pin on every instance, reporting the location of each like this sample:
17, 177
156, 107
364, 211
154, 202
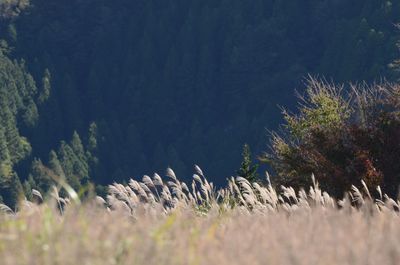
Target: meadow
166, 221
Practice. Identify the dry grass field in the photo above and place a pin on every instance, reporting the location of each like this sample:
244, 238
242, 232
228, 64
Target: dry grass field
165, 222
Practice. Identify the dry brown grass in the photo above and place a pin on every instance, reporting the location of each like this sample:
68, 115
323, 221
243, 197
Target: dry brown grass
161, 222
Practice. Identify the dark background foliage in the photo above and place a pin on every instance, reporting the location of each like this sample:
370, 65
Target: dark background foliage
173, 83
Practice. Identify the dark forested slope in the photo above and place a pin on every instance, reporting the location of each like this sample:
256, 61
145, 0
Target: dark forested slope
173, 83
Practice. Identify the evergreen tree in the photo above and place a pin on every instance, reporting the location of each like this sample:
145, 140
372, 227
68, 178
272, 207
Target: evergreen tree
27, 187
247, 170
18, 111
92, 139
39, 177
46, 86
77, 147
55, 165
5, 159
67, 159
11, 190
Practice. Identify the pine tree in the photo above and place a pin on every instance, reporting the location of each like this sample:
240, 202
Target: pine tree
38, 177
247, 170
67, 159
80, 163
77, 147
46, 86
5, 159
31, 114
92, 152
11, 190
92, 142
55, 165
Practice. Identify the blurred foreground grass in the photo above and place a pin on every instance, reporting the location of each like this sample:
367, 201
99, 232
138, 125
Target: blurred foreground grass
166, 222
90, 235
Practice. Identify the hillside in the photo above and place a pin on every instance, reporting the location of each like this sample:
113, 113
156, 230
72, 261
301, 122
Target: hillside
179, 83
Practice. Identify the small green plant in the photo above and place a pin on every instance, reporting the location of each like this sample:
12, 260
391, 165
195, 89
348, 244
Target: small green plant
247, 169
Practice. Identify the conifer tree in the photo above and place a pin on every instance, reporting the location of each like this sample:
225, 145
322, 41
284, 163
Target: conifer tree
247, 170
77, 147
11, 190
55, 165
5, 159
92, 142
46, 86
38, 177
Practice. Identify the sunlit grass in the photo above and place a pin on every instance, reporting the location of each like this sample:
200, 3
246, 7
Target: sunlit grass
242, 224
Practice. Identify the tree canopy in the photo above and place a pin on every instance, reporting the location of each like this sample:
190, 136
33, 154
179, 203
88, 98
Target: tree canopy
342, 137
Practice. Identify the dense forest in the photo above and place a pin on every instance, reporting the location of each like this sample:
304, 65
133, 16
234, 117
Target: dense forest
105, 90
